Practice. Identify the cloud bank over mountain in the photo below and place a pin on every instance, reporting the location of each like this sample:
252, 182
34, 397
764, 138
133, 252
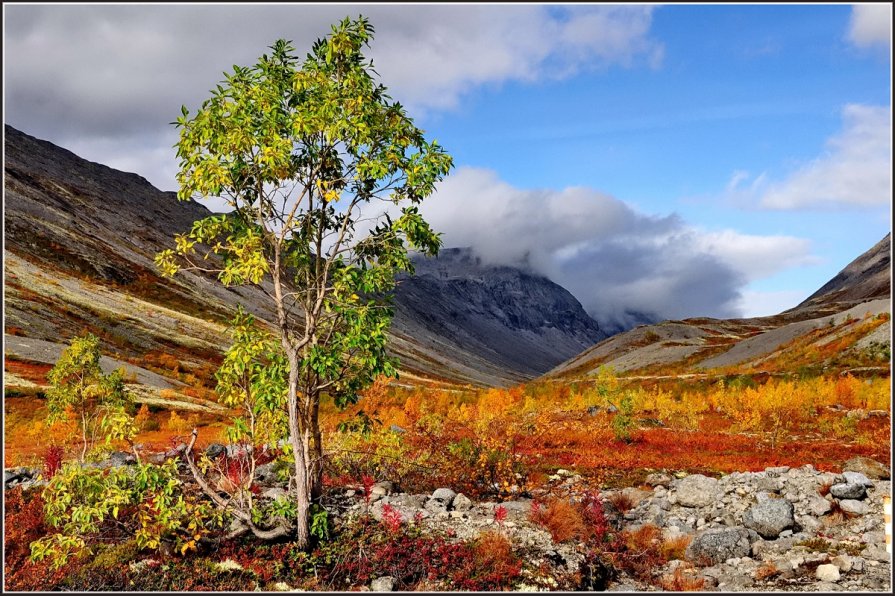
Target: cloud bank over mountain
613, 258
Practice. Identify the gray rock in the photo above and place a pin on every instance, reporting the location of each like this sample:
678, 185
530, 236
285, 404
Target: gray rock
857, 478
215, 450
848, 491
659, 479
383, 488
869, 467
121, 458
462, 503
698, 491
770, 517
383, 584
853, 507
622, 588
716, 546
274, 493
818, 506
397, 429
445, 495
521, 506
768, 484
876, 552
827, 573
435, 506
266, 474
843, 562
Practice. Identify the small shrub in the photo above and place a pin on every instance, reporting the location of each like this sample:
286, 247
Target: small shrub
641, 554
176, 424
824, 489
595, 517
681, 582
391, 518
52, 461
560, 518
766, 571
674, 548
621, 502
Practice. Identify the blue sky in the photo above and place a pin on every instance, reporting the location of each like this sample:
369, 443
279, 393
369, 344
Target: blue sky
700, 160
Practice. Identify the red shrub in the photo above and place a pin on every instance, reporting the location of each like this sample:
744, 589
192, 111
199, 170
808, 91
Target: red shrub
595, 517
52, 460
23, 524
391, 518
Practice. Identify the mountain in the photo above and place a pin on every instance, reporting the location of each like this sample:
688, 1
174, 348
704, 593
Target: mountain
866, 277
80, 242
844, 325
515, 319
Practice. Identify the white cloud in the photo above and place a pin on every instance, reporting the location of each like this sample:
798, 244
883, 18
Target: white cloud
613, 258
871, 25
93, 74
854, 171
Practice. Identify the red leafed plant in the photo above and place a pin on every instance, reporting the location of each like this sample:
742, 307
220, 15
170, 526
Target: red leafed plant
367, 481
391, 518
500, 515
53, 460
594, 516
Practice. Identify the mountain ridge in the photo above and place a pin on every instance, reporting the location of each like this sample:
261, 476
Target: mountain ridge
65, 215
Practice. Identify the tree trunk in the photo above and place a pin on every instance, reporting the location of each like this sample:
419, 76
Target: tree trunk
316, 451
300, 453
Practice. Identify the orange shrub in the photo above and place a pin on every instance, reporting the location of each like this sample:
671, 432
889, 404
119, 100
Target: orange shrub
674, 548
560, 518
681, 582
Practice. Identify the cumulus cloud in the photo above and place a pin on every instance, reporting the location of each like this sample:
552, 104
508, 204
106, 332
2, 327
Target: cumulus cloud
109, 77
871, 25
854, 171
613, 258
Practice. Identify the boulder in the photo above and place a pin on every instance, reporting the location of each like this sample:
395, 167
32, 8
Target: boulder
215, 450
659, 479
716, 546
445, 495
462, 503
848, 491
843, 562
383, 488
853, 507
869, 467
827, 573
770, 517
383, 584
697, 490
521, 506
266, 474
818, 506
857, 478
274, 493
121, 458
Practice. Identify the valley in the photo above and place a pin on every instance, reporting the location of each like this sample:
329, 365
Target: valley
508, 393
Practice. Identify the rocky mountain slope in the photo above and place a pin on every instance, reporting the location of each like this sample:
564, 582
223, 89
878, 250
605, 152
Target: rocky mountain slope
519, 320
80, 242
844, 325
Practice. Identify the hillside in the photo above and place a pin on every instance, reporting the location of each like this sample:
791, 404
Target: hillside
844, 325
80, 242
